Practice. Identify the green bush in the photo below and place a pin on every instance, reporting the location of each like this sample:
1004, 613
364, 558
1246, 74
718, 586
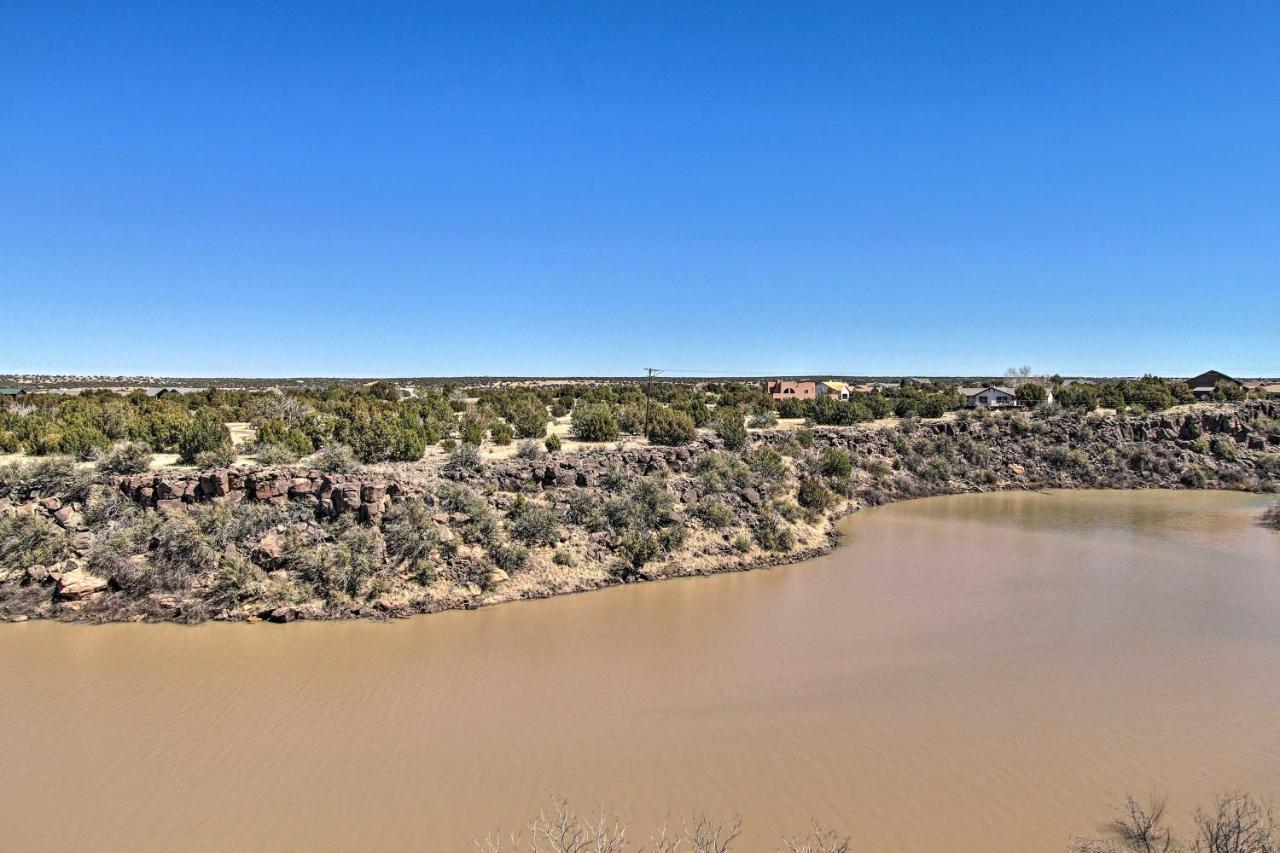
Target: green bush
220, 458
834, 462
594, 422
553, 443
411, 537
132, 457
408, 446
587, 510
502, 433
337, 459
713, 513
730, 428
771, 534
205, 433
669, 427
813, 494
472, 429
530, 449
276, 454
29, 540
533, 524
465, 457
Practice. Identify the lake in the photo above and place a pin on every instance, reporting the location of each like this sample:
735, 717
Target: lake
971, 673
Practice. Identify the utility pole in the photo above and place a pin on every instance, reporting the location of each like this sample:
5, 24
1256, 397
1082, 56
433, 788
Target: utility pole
648, 395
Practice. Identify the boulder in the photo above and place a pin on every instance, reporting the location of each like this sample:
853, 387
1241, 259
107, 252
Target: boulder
270, 549
77, 584
283, 614
67, 517
497, 576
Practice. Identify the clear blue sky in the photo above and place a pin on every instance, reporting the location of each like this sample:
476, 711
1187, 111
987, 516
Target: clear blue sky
358, 188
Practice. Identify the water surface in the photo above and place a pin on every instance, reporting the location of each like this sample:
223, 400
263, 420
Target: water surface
979, 673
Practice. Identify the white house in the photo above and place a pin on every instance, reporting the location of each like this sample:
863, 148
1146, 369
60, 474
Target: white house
989, 397
831, 388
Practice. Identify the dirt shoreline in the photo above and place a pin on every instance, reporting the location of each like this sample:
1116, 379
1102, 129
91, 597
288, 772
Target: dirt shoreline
297, 510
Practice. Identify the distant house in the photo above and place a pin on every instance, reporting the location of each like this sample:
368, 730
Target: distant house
10, 393
1206, 384
831, 388
989, 397
781, 389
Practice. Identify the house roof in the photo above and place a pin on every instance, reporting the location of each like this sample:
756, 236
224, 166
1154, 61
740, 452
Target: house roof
10, 392
1210, 379
838, 386
973, 392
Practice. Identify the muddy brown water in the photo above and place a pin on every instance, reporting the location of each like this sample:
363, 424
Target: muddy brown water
977, 673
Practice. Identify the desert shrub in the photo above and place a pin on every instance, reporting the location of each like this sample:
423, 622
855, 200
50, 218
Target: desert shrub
631, 418
530, 449
973, 452
1223, 448
83, 442
529, 418
834, 462
509, 557
562, 558
1271, 517
408, 445
670, 428
339, 568
337, 459
1193, 477
206, 433
132, 457
935, 470
1269, 465
721, 472
645, 506
178, 551
53, 475
411, 537
804, 438
713, 513
767, 464
219, 458
9, 442
277, 454
533, 524
238, 523
1237, 823
742, 543
762, 420
594, 422
587, 510
639, 548
462, 459
235, 581
1141, 460
552, 443
448, 444
111, 507
615, 478
471, 429
480, 526
502, 433
813, 494
771, 534
29, 540
730, 428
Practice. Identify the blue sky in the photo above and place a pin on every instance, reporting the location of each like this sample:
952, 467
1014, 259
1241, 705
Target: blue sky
361, 189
